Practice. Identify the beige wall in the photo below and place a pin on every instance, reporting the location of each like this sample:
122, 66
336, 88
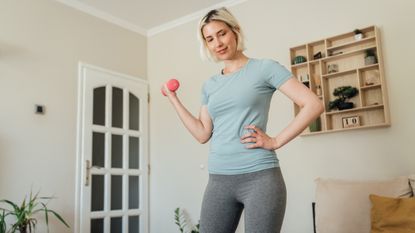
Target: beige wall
41, 43
272, 27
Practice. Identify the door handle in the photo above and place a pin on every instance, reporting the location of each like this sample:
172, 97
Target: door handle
88, 168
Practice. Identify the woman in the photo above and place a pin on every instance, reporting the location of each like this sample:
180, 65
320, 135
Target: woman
244, 173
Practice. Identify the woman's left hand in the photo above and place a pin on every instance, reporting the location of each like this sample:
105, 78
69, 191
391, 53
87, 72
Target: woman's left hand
258, 139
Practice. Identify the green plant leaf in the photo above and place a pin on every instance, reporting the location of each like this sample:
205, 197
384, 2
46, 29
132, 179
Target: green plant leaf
15, 206
23, 213
59, 217
3, 215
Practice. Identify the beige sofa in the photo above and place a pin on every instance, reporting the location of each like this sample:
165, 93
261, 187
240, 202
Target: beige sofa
345, 207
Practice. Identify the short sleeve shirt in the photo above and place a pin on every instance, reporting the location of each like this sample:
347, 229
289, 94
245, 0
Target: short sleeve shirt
234, 101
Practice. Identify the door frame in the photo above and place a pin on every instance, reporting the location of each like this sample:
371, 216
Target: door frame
79, 179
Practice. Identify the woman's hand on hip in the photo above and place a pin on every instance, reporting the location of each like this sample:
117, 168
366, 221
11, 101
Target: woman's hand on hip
258, 139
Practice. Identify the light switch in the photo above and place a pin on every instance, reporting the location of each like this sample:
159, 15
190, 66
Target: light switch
39, 109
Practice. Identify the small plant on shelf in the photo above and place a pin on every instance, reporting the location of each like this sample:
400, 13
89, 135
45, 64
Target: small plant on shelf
358, 35
343, 93
299, 59
370, 57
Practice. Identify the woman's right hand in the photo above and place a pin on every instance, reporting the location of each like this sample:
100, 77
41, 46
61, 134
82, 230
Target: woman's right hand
169, 94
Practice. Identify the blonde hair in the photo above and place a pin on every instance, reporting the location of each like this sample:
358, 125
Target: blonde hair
223, 15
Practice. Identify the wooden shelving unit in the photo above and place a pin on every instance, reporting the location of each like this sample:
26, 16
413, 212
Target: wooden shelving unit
347, 54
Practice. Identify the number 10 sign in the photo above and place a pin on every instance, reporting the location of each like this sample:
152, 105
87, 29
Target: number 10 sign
352, 121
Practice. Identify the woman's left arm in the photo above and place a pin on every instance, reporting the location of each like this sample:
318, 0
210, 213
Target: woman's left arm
310, 108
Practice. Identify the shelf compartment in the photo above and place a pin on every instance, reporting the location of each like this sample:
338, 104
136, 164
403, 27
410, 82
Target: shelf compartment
315, 77
367, 116
361, 70
316, 47
350, 46
301, 72
299, 51
345, 62
370, 76
372, 96
350, 53
346, 79
380, 106
347, 38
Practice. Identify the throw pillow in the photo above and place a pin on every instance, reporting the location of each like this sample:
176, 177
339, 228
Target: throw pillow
344, 206
412, 182
392, 215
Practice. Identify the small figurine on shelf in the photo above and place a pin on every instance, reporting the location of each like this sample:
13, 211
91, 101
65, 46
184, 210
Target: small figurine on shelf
343, 93
334, 53
318, 90
317, 56
305, 80
358, 35
332, 68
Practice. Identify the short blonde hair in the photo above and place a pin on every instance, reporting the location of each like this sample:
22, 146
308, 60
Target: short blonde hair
224, 15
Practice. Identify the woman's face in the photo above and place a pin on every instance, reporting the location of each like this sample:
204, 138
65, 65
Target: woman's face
220, 40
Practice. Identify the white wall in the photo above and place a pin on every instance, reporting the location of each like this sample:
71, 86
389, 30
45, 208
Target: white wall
41, 43
272, 27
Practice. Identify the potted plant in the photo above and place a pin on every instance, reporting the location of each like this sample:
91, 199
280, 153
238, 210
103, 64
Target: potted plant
343, 93
299, 59
181, 222
2, 221
25, 221
358, 35
370, 57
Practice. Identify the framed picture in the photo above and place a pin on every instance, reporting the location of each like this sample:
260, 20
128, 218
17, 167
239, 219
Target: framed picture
352, 121
332, 68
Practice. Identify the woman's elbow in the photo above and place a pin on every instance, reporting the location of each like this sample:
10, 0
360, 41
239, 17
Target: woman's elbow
203, 139
319, 107
316, 105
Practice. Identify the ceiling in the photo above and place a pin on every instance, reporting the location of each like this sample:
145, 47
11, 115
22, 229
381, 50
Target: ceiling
148, 17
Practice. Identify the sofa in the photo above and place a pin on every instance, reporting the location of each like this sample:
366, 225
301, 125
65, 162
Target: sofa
382, 206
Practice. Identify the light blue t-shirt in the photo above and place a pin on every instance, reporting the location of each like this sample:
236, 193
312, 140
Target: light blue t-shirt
234, 101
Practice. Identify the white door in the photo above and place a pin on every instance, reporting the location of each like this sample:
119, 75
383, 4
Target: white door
112, 176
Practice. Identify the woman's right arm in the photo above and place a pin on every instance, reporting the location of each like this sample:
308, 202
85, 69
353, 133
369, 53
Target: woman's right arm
200, 128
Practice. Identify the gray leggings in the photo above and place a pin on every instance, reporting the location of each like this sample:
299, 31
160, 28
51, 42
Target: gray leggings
262, 194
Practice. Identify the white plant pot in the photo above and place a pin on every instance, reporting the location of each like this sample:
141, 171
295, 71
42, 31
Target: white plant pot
358, 36
370, 60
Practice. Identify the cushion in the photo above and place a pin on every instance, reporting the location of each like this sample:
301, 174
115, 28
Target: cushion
344, 206
412, 182
392, 215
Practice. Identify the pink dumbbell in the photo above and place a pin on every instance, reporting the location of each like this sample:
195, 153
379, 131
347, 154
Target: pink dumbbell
172, 85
